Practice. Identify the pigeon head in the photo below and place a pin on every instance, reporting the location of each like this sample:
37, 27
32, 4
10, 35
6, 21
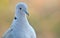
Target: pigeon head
21, 8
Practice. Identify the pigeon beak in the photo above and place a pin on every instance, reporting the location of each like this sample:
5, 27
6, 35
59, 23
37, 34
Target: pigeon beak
26, 12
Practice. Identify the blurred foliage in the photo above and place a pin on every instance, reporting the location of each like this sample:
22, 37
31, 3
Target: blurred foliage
57, 29
3, 4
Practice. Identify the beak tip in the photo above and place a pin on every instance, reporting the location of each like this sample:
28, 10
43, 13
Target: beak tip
26, 12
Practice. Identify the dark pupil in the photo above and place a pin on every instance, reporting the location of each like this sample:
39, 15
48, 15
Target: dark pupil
20, 8
15, 18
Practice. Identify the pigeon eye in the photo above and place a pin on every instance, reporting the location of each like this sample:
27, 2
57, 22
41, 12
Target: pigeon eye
15, 18
20, 8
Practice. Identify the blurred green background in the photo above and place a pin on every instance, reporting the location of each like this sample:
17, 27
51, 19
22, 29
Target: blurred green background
44, 16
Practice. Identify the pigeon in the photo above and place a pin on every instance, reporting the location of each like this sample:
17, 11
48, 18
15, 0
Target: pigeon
20, 27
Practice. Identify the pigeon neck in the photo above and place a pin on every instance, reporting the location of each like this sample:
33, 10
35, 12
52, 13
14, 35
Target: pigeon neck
21, 22
19, 18
19, 13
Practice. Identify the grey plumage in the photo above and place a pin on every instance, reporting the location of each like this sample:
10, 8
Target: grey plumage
20, 27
